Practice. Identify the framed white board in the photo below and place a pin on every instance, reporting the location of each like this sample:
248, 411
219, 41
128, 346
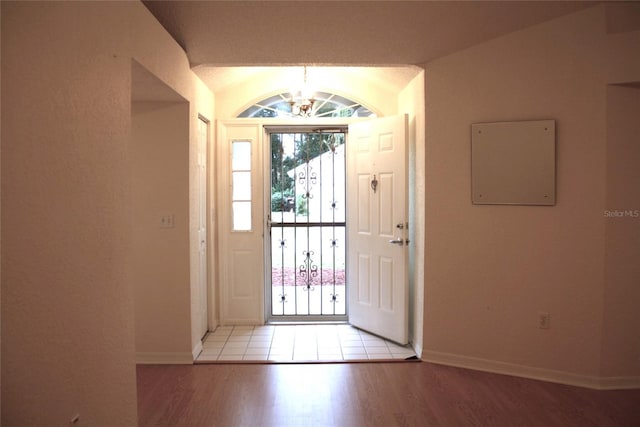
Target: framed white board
513, 163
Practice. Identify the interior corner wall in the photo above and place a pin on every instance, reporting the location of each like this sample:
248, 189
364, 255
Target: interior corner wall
67, 295
67, 307
621, 336
411, 102
491, 269
160, 258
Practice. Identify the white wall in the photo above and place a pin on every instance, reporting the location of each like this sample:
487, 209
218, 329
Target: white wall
491, 269
160, 258
67, 308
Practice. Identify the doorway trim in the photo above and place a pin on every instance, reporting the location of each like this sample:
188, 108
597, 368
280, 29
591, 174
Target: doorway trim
416, 201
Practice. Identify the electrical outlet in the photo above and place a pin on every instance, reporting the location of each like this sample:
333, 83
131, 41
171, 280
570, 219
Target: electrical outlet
166, 221
544, 320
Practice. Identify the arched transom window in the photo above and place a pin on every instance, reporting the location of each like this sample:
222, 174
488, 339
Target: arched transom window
325, 105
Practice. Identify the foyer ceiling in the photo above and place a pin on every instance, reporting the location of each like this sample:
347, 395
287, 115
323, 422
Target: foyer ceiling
221, 36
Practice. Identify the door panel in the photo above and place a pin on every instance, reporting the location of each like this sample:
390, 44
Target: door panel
363, 203
386, 284
240, 276
386, 207
377, 219
240, 224
364, 284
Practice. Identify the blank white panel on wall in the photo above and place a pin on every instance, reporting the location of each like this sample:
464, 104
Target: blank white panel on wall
513, 163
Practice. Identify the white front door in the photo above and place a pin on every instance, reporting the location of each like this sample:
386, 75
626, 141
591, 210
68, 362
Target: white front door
377, 267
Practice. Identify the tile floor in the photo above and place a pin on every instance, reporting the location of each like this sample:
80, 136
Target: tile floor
298, 343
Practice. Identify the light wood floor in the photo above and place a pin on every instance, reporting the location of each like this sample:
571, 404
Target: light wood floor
368, 394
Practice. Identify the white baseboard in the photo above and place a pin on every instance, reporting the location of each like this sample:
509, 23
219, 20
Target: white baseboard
241, 322
619, 383
417, 347
165, 358
598, 383
196, 350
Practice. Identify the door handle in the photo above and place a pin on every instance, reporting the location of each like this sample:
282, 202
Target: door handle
397, 242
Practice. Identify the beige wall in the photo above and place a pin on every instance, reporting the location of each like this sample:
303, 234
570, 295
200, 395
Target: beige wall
160, 258
491, 269
67, 307
621, 322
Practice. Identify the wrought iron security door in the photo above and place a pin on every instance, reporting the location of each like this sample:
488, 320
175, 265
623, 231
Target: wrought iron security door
307, 226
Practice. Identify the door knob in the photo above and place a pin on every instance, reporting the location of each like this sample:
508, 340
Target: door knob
397, 242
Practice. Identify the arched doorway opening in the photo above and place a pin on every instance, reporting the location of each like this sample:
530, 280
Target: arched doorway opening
385, 97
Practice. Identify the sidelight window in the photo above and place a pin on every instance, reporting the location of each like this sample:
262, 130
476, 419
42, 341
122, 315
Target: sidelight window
241, 185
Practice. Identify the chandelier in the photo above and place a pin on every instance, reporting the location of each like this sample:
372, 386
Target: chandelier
302, 104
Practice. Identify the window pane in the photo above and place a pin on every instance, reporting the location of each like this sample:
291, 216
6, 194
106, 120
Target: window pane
241, 155
273, 101
241, 216
251, 111
241, 186
326, 105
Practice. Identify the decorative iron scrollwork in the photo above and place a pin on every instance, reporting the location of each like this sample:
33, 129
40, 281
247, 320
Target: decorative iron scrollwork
308, 270
302, 176
308, 181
